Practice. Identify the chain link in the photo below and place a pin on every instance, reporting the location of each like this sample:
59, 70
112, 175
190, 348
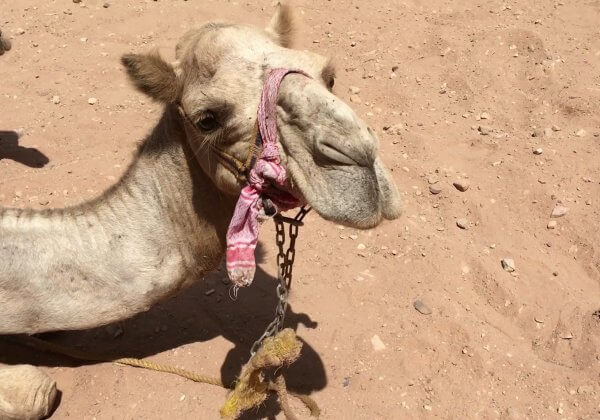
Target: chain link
285, 264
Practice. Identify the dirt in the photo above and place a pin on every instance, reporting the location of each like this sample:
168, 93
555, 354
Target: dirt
470, 89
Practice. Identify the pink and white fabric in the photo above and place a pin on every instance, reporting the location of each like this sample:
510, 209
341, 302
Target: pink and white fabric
266, 180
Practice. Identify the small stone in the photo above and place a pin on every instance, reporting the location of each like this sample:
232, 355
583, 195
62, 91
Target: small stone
354, 90
355, 99
484, 130
56, 100
585, 389
508, 264
538, 319
580, 133
20, 31
76, 1
538, 151
559, 210
484, 116
396, 129
566, 336
83, 39
361, 246
209, 292
92, 101
461, 185
555, 128
377, 343
588, 202
427, 407
435, 189
106, 5
346, 382
551, 224
548, 132
462, 223
422, 307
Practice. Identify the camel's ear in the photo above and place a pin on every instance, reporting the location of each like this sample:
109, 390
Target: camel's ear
153, 76
281, 26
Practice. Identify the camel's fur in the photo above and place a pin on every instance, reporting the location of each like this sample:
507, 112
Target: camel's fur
162, 226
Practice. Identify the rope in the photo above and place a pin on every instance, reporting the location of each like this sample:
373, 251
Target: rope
278, 386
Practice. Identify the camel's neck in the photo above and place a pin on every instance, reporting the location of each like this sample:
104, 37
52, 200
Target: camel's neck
162, 226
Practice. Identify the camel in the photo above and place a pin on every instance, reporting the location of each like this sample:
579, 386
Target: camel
163, 225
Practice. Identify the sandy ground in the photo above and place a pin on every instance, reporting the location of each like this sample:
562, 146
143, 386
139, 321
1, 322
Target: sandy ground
470, 89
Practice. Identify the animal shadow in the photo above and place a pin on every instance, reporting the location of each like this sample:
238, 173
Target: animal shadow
10, 149
200, 313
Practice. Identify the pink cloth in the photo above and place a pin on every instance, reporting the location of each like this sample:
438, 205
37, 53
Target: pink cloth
263, 180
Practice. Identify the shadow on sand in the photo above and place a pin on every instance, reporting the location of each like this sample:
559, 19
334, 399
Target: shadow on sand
10, 149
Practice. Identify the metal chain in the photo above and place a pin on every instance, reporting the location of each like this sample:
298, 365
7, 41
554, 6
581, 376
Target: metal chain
285, 264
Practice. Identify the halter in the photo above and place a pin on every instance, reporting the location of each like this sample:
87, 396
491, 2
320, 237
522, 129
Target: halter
264, 193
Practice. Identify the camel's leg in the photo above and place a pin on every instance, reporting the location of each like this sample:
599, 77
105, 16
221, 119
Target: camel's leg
25, 392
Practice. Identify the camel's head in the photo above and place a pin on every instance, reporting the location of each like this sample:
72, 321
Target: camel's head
330, 154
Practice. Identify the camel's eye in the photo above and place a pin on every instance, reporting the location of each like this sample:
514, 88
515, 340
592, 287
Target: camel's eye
330, 83
207, 122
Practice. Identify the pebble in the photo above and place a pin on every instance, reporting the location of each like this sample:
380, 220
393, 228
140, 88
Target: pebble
106, 5
485, 116
434, 189
552, 224
209, 292
76, 1
56, 99
555, 128
538, 151
92, 101
462, 223
20, 31
461, 185
585, 389
559, 210
377, 343
354, 90
396, 129
422, 307
361, 246
508, 264
484, 130
566, 336
580, 133
355, 99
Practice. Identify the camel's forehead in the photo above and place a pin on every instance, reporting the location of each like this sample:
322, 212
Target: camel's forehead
219, 46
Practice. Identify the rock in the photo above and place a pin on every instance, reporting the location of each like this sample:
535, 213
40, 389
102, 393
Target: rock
422, 307
435, 189
559, 210
580, 133
209, 292
377, 343
588, 202
20, 31
537, 133
462, 223
396, 129
548, 132
461, 185
346, 382
484, 116
56, 100
484, 130
92, 101
355, 99
25, 392
354, 90
555, 128
538, 151
551, 224
76, 1
566, 335
106, 5
508, 264
585, 389
361, 246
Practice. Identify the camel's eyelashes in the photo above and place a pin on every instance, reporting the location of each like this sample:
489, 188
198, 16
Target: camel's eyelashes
208, 122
